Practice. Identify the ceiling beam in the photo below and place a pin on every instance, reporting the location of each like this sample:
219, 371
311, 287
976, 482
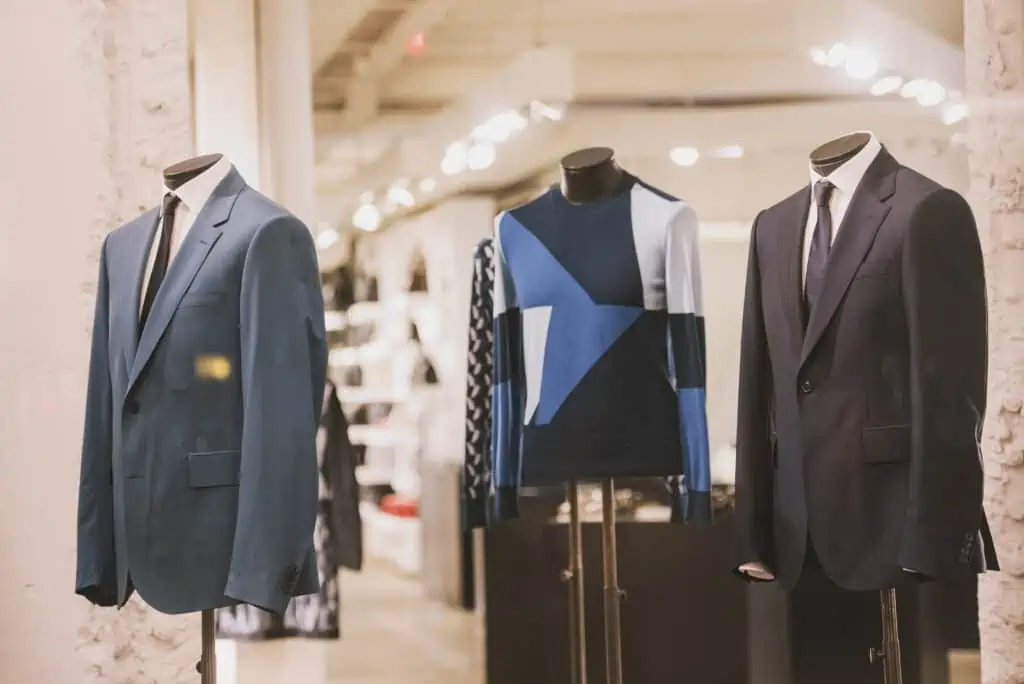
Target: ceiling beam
639, 76
363, 91
332, 24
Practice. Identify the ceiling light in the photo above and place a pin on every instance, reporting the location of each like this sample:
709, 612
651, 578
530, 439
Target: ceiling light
480, 156
452, 165
910, 89
428, 185
366, 217
500, 127
954, 113
454, 158
860, 64
684, 156
837, 55
729, 152
400, 196
540, 110
886, 85
819, 56
930, 94
326, 238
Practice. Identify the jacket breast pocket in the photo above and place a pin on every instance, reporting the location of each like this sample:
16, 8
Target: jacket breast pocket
214, 469
201, 298
872, 268
886, 444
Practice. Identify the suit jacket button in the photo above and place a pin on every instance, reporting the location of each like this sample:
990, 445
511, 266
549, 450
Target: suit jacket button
131, 407
806, 387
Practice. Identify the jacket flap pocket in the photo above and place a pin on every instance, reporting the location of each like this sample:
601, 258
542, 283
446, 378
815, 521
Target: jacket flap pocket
887, 444
214, 468
200, 298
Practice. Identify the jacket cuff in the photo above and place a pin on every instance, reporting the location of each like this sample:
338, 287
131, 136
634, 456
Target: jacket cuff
258, 589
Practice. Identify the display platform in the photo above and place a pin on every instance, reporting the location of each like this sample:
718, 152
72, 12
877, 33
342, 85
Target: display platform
686, 618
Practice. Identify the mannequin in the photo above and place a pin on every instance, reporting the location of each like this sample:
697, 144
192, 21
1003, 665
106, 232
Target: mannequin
178, 174
829, 156
590, 174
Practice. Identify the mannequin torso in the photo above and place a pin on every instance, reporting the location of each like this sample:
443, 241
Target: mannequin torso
178, 174
590, 174
829, 156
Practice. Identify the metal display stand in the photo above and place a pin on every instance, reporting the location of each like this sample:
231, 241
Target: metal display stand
889, 654
613, 594
207, 665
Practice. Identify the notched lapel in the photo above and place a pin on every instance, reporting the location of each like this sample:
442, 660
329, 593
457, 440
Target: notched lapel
193, 252
141, 242
793, 221
857, 233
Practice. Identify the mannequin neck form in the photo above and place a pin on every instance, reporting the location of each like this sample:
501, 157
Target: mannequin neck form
829, 156
178, 174
590, 174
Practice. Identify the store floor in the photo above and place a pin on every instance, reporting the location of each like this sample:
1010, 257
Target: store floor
391, 634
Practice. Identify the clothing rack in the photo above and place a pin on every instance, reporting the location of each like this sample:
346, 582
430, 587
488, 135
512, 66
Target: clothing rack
613, 594
889, 653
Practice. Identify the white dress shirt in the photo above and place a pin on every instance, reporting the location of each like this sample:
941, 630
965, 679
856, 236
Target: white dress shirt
193, 195
845, 180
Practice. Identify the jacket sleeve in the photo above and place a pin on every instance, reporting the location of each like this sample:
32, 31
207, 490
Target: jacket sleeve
754, 470
684, 301
284, 364
96, 576
947, 324
342, 488
476, 474
508, 387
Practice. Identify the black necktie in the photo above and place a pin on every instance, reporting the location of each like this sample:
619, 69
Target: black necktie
821, 244
163, 255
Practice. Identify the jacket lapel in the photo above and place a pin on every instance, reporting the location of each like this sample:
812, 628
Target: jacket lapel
793, 222
142, 243
200, 240
857, 232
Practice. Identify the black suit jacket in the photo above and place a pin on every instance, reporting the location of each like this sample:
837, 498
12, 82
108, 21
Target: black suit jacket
859, 428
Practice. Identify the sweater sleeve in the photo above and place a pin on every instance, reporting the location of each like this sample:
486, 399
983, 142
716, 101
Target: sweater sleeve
687, 356
476, 474
508, 388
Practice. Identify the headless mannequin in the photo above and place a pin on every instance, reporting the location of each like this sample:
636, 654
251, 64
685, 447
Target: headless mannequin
175, 176
590, 174
178, 174
829, 156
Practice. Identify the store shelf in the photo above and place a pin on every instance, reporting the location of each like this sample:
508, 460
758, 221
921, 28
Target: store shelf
373, 435
365, 312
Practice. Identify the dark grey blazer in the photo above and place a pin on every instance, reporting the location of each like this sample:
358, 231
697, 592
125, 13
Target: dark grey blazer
859, 425
199, 471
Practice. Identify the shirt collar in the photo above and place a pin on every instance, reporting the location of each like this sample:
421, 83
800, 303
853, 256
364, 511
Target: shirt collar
848, 176
196, 192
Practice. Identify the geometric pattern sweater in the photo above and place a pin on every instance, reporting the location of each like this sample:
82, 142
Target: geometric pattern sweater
599, 346
476, 475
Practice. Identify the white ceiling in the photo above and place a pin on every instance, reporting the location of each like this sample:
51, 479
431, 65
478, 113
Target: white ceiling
635, 56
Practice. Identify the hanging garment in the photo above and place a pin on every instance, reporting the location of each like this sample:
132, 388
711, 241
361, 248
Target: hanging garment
476, 467
338, 541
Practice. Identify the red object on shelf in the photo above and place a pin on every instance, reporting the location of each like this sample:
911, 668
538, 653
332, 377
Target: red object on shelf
400, 506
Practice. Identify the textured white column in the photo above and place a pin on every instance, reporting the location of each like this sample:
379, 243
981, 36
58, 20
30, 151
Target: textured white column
225, 85
286, 106
95, 102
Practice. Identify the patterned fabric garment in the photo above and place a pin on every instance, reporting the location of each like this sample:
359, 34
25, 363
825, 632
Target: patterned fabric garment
599, 346
338, 539
476, 474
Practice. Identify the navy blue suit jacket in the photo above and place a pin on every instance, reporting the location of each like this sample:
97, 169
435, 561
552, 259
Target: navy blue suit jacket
199, 473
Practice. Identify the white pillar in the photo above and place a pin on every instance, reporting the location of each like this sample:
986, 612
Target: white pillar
95, 102
225, 83
286, 106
